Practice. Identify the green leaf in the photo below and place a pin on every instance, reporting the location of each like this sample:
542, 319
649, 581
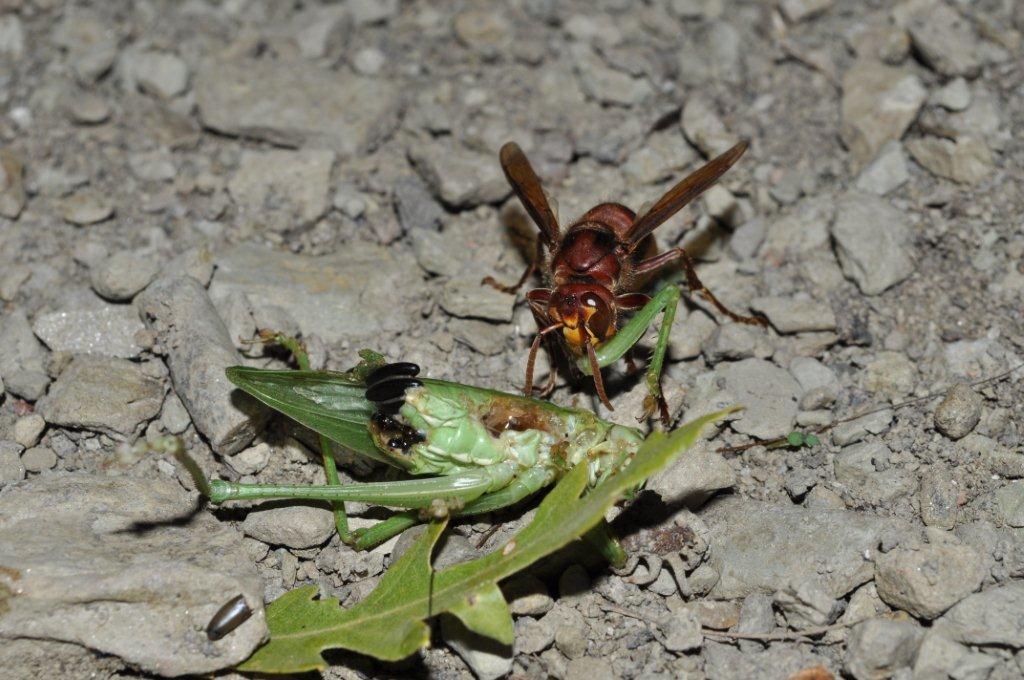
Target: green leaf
389, 623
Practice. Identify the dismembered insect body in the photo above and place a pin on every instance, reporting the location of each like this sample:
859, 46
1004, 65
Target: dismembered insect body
595, 269
469, 450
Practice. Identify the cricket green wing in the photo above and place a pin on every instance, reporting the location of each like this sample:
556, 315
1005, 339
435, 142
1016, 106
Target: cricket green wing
332, 404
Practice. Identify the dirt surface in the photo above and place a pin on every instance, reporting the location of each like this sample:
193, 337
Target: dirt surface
331, 170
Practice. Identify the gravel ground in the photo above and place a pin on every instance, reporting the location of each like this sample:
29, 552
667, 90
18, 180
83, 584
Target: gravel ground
175, 176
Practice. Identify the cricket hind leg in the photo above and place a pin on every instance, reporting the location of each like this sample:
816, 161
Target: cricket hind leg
693, 282
538, 256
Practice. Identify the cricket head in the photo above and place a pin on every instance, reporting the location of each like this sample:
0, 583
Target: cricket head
586, 312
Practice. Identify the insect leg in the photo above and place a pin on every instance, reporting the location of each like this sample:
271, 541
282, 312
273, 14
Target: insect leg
538, 299
526, 484
298, 350
694, 282
538, 257
366, 539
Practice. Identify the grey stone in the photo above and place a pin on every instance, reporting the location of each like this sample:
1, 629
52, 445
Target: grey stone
11, 467
527, 596
795, 315
160, 73
570, 630
607, 85
329, 296
470, 298
153, 166
459, 177
799, 232
945, 39
89, 109
282, 184
891, 374
105, 394
198, 351
174, 417
485, 32
294, 526
879, 103
321, 31
937, 655
682, 632
703, 127
756, 614
768, 394
758, 547
693, 477
109, 330
777, 661
91, 45
433, 254
799, 10
38, 459
369, 12
690, 332
887, 172
959, 412
929, 580
296, 104
416, 208
992, 617
12, 37
251, 460
807, 603
855, 430
486, 338
594, 28
196, 262
864, 470
589, 668
812, 374
939, 498
533, 636
714, 55
88, 576
871, 240
123, 275
86, 208
487, 658
881, 40
12, 188
22, 352
665, 154
1008, 504
27, 429
369, 61
29, 385
954, 95
878, 647
732, 341
967, 160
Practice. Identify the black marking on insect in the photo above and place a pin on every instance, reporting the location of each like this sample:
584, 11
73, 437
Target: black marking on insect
386, 386
233, 614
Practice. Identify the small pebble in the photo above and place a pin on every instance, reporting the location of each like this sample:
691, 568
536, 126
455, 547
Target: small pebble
251, 460
28, 429
85, 209
123, 275
959, 412
11, 467
38, 458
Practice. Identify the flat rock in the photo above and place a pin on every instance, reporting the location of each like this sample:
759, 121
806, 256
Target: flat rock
879, 103
795, 315
124, 566
198, 350
109, 395
879, 646
929, 580
356, 292
887, 172
108, 330
944, 39
294, 526
759, 547
296, 105
992, 617
86, 208
160, 73
469, 298
488, 658
967, 160
457, 176
694, 476
767, 393
295, 183
122, 275
871, 240
607, 85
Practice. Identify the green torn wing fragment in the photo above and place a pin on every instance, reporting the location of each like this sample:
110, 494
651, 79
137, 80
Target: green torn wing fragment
389, 623
332, 404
